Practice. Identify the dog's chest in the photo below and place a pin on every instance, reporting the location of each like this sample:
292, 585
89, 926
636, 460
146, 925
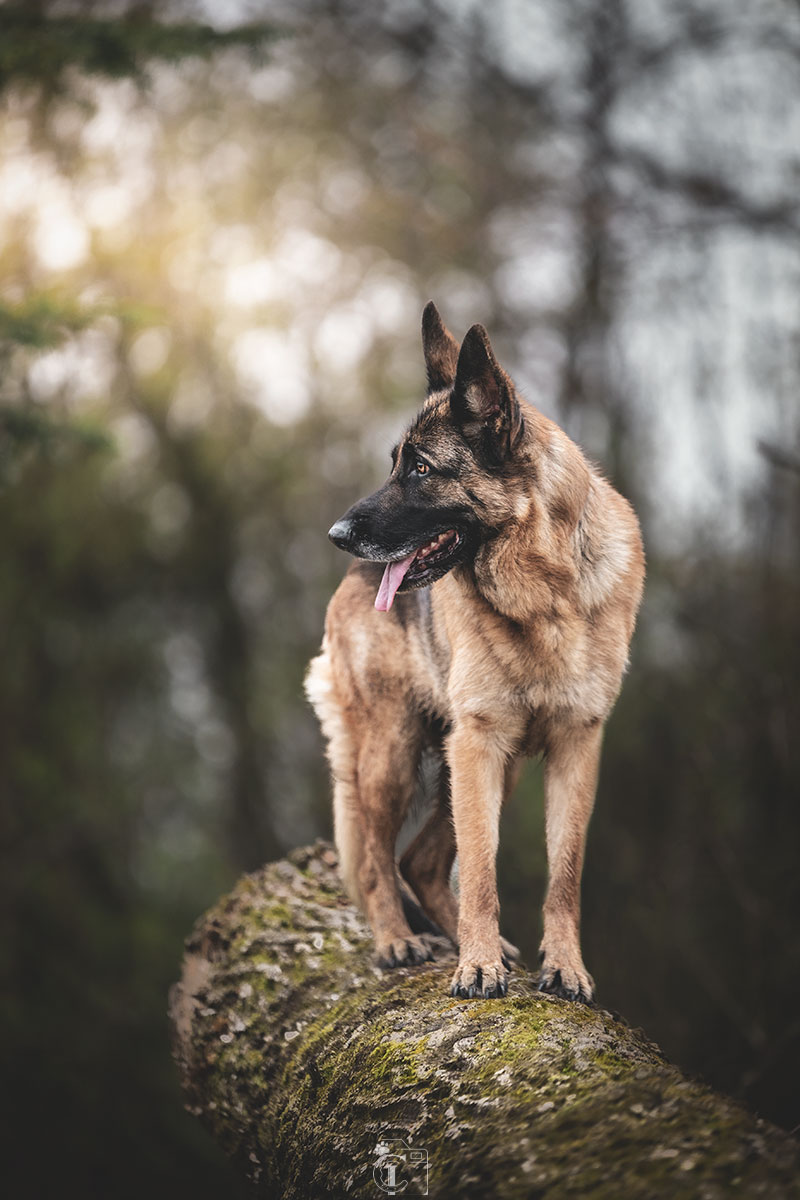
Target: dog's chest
527, 673
554, 676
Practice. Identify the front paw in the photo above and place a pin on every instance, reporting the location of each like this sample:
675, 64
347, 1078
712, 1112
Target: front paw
403, 951
489, 979
567, 977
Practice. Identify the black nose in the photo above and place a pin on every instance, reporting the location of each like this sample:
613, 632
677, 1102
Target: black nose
341, 534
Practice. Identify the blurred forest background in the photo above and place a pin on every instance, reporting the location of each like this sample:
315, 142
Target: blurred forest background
218, 226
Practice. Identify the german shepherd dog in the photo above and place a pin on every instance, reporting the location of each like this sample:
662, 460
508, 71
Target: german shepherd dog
490, 619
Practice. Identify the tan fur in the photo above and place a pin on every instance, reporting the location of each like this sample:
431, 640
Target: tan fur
520, 652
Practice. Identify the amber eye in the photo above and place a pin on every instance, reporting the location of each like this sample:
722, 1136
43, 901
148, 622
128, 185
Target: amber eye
421, 467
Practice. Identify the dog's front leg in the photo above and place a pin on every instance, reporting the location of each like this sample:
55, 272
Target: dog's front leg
570, 781
477, 755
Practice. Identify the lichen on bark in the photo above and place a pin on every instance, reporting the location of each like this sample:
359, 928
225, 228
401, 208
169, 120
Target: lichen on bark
302, 1057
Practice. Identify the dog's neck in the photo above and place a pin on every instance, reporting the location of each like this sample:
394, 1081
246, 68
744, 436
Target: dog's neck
557, 545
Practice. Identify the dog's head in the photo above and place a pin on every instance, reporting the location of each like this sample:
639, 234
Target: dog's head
447, 490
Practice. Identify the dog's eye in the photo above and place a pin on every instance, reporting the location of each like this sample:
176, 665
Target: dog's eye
421, 467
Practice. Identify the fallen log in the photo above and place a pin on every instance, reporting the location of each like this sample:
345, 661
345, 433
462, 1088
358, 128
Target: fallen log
322, 1075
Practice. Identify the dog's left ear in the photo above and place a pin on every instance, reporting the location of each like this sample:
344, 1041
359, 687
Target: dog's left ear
484, 401
440, 349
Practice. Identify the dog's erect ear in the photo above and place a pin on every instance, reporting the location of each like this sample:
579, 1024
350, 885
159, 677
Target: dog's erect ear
484, 401
440, 349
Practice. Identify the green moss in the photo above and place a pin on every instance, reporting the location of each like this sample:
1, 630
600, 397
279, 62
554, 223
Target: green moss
611, 1064
388, 1063
277, 913
515, 1098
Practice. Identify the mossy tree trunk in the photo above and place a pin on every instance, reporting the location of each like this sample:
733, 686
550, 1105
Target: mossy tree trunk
313, 1069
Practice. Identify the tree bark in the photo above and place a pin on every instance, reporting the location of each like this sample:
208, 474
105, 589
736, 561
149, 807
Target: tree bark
317, 1071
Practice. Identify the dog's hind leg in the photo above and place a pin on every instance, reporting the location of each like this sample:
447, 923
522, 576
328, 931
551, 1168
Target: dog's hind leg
428, 862
375, 764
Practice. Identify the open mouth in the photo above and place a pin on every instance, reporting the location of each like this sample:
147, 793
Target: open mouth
417, 568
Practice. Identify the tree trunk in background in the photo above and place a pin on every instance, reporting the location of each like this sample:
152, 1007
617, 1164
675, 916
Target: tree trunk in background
311, 1067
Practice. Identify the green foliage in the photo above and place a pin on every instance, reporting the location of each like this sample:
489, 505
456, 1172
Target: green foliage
46, 318
42, 320
35, 46
26, 429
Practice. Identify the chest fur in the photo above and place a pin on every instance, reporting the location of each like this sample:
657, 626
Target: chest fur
551, 665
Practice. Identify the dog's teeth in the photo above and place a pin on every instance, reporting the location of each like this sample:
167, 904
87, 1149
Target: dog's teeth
436, 543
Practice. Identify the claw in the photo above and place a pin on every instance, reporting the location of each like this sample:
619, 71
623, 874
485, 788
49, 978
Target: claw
482, 982
552, 982
404, 952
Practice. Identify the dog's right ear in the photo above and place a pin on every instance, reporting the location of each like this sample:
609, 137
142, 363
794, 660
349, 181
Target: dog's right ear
484, 401
440, 349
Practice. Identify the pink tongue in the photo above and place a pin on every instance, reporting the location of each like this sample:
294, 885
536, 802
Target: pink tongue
393, 576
